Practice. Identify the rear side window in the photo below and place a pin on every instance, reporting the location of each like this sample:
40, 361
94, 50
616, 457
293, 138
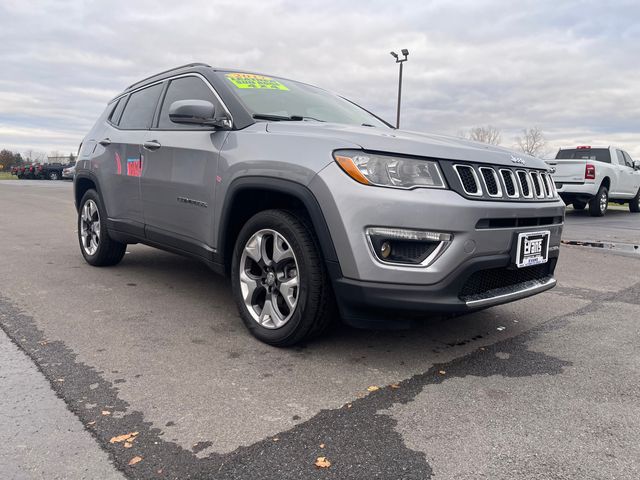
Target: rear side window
138, 113
116, 112
597, 154
185, 88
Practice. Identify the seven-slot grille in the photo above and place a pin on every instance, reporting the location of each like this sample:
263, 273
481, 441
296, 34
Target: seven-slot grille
505, 183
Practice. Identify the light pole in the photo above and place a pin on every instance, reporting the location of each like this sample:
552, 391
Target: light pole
399, 60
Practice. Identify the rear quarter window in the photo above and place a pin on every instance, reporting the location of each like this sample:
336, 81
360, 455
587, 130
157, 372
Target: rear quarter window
138, 113
117, 111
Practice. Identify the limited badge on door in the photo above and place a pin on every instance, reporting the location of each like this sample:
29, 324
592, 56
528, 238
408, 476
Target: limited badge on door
533, 248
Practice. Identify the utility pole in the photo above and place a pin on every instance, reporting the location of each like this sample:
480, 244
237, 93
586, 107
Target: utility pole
399, 60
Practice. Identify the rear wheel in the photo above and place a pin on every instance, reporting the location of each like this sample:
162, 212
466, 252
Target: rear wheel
634, 203
598, 204
578, 205
97, 247
54, 176
279, 280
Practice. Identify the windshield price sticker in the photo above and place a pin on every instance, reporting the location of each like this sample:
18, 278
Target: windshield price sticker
248, 80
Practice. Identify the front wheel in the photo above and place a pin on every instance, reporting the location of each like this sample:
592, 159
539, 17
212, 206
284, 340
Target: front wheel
54, 176
598, 204
634, 203
279, 280
97, 247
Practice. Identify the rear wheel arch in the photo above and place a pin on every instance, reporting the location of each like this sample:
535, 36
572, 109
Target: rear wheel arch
606, 182
250, 195
81, 184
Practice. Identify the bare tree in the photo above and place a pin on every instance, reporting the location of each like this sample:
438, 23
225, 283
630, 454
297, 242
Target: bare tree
532, 141
488, 134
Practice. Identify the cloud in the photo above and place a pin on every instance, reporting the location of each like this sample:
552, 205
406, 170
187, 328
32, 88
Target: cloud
569, 68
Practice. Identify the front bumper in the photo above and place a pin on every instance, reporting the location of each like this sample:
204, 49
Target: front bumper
367, 303
363, 283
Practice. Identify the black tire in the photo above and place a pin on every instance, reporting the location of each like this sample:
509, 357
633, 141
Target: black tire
634, 203
108, 252
315, 308
578, 205
54, 176
598, 205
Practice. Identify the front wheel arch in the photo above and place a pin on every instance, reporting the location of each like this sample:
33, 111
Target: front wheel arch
249, 195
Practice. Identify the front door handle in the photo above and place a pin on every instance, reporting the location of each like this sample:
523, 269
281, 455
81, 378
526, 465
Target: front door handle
105, 142
151, 145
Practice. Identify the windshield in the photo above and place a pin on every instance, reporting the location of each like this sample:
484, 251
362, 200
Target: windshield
270, 98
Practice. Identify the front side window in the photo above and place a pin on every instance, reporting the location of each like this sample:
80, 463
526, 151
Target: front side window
185, 88
138, 113
628, 159
270, 98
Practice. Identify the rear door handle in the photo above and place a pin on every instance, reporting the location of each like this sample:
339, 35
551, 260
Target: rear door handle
151, 145
105, 142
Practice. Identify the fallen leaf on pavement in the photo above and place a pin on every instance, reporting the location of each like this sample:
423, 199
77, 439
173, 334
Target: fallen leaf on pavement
122, 438
442, 372
92, 423
322, 445
394, 385
135, 460
59, 379
322, 462
127, 445
105, 412
373, 388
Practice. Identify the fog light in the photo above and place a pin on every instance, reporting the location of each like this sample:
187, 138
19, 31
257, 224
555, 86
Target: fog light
407, 247
385, 249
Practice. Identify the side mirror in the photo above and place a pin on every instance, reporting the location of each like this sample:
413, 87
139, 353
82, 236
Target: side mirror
636, 164
192, 112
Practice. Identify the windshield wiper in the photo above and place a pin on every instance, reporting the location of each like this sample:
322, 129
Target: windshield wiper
283, 118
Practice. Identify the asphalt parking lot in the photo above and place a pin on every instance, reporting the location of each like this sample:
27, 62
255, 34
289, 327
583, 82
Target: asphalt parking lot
544, 388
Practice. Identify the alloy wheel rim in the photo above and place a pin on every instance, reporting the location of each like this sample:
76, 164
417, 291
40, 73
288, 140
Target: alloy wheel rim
603, 202
90, 227
269, 278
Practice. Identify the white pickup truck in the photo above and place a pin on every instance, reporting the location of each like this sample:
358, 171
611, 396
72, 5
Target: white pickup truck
594, 176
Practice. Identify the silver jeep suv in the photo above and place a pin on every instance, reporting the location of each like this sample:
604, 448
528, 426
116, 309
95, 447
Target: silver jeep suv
315, 207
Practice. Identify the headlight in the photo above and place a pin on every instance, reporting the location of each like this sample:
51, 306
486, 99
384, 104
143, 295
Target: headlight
388, 170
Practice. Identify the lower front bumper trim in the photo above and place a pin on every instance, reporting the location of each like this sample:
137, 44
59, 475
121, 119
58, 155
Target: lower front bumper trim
503, 295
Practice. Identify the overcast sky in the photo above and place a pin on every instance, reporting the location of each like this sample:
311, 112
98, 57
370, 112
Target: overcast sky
571, 68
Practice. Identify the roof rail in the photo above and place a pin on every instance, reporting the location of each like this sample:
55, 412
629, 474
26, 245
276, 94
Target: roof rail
167, 71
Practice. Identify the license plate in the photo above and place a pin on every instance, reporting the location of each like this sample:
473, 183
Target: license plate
533, 248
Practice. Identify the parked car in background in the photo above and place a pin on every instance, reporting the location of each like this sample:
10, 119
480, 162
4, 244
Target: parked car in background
308, 202
593, 176
69, 172
49, 171
30, 171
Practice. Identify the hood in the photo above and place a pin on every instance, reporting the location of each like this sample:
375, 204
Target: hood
409, 143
